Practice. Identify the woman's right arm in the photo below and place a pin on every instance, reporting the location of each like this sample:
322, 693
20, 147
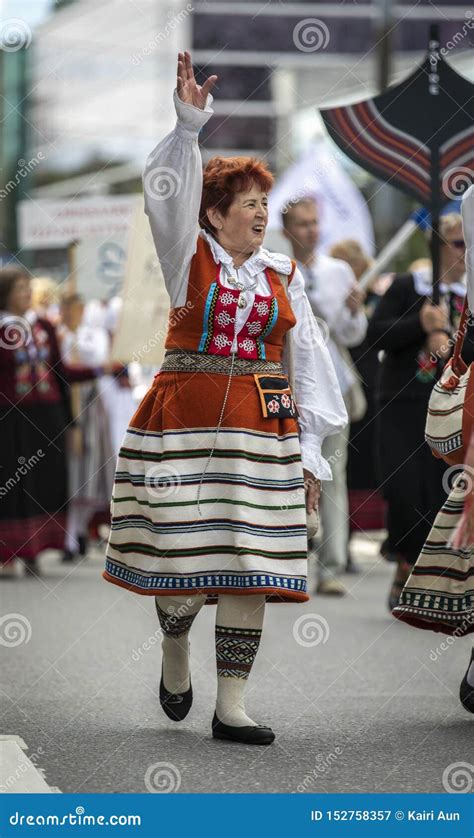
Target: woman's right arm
172, 182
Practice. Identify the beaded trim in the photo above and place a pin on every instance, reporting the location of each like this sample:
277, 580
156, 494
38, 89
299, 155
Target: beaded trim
180, 360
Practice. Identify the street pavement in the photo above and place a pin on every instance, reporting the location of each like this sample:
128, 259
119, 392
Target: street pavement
358, 701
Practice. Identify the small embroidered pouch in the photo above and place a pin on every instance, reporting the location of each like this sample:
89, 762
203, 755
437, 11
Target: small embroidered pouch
276, 398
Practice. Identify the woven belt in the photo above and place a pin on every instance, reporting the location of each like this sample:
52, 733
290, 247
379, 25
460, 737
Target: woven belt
181, 360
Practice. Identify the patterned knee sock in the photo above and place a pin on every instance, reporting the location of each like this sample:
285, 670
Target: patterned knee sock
239, 621
176, 616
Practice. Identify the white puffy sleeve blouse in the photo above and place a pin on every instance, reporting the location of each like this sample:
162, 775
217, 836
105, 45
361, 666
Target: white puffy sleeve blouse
172, 186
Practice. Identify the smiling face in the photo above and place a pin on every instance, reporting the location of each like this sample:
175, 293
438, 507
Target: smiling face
242, 230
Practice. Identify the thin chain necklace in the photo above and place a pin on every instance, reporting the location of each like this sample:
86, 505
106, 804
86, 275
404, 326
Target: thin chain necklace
235, 282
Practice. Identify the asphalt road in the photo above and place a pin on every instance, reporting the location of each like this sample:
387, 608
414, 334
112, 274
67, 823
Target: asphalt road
358, 702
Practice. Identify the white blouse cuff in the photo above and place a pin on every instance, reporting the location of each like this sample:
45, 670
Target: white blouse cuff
312, 458
191, 119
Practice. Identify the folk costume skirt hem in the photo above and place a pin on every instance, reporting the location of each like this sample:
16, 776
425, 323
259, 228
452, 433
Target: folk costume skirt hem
248, 534
439, 594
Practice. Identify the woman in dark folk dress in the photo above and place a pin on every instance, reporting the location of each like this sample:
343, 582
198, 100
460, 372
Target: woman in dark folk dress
34, 413
413, 332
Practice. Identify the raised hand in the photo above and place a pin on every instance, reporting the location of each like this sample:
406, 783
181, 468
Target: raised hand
188, 90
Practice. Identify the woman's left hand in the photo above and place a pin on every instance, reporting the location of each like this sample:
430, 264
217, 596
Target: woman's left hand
312, 490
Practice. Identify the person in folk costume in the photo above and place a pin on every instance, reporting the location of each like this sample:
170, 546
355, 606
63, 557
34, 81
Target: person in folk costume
336, 299
34, 414
209, 501
439, 594
91, 462
413, 333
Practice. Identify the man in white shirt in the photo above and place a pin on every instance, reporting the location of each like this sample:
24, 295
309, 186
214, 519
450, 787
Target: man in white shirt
335, 298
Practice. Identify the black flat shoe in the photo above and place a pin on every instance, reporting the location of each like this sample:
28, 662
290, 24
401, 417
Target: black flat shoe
175, 705
249, 735
466, 692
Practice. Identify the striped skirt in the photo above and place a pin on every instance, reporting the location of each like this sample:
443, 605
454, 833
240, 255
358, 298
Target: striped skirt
439, 594
247, 534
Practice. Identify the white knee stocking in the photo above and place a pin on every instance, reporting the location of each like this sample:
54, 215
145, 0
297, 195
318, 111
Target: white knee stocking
176, 616
239, 622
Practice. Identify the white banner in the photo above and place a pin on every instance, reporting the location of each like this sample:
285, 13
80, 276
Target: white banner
343, 212
100, 266
48, 223
143, 322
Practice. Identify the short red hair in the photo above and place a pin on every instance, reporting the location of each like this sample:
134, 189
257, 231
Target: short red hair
224, 177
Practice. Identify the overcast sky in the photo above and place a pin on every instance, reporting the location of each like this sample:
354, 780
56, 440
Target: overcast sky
33, 11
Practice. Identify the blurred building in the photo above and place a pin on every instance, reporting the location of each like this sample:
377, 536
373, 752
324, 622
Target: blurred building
102, 74
103, 71
13, 141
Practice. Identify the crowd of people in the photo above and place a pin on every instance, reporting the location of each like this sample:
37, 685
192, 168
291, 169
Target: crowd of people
62, 414
250, 458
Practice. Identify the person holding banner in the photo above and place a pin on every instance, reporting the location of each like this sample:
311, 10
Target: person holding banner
220, 465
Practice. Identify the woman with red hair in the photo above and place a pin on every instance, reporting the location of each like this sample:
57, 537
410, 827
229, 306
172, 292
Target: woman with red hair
219, 465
